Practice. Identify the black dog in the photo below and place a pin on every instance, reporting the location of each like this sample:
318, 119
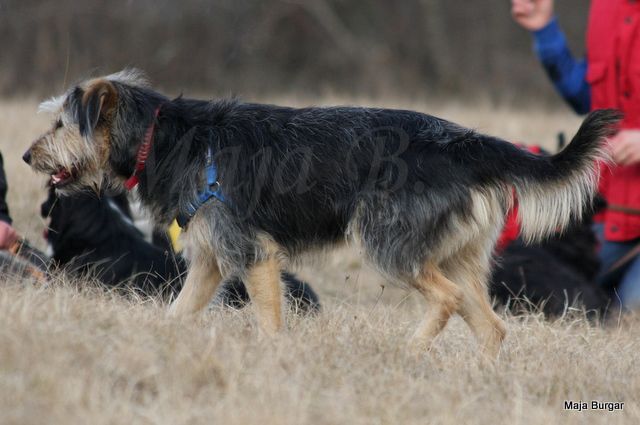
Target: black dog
552, 275
91, 235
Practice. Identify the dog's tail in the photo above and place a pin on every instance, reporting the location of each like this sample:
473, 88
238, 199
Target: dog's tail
552, 190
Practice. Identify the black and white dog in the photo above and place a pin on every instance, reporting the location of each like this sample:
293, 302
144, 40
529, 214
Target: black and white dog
257, 185
94, 236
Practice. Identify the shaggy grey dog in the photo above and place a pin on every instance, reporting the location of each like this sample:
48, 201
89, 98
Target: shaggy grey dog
256, 185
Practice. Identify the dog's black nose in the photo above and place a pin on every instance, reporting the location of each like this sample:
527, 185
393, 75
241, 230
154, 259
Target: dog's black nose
27, 157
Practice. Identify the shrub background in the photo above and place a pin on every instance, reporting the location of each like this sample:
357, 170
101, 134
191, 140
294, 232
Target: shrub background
373, 48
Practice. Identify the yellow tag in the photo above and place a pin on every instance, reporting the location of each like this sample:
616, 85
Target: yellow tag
174, 234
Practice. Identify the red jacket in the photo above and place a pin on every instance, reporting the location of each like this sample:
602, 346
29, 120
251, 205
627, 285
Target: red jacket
613, 72
511, 229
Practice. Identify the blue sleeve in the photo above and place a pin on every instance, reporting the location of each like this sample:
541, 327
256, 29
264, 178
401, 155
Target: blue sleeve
567, 73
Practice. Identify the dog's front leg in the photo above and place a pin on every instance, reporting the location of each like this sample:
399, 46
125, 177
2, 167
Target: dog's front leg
263, 285
202, 280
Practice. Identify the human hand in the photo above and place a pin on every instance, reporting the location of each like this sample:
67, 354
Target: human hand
8, 235
532, 14
625, 147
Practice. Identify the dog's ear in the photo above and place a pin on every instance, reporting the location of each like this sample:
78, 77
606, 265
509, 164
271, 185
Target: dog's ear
98, 102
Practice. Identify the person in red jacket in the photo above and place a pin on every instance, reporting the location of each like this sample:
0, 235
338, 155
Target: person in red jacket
609, 77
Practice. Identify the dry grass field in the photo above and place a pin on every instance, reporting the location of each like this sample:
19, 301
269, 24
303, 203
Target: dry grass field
71, 354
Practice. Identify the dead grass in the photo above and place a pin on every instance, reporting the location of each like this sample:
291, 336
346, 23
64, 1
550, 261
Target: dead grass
70, 355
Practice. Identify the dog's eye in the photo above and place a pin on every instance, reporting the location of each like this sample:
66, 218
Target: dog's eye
58, 124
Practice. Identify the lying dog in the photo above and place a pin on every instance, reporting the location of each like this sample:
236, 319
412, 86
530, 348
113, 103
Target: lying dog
91, 235
552, 275
257, 185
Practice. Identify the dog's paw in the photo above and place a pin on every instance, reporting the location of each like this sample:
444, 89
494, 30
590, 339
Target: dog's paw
419, 347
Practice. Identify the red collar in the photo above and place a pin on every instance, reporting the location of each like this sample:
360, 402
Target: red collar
143, 152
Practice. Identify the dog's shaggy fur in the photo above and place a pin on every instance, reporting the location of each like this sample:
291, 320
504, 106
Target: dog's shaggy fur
94, 236
424, 198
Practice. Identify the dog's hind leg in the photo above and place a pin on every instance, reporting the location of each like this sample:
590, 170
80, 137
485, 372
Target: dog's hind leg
470, 269
476, 310
202, 280
263, 285
443, 300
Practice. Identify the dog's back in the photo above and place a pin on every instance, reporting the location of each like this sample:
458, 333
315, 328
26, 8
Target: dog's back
424, 198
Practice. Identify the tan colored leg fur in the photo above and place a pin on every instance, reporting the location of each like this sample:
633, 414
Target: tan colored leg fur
263, 286
476, 310
470, 270
443, 300
200, 285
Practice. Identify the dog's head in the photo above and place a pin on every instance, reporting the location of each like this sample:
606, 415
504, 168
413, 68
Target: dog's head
97, 127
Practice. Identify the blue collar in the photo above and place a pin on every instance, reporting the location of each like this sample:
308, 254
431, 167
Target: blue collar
211, 190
